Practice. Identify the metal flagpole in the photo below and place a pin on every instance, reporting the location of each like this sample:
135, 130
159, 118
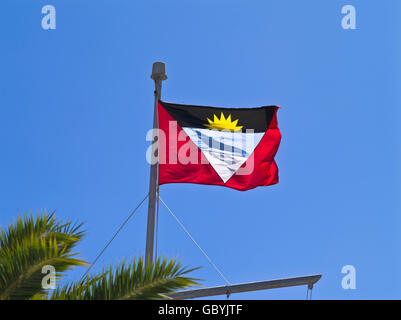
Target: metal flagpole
158, 75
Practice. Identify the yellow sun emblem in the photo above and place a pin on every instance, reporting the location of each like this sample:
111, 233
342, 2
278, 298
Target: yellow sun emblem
223, 123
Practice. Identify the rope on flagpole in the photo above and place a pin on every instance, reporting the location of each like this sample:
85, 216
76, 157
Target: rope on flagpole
193, 240
114, 236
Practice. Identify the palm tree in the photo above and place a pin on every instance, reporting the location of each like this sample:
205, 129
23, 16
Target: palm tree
34, 242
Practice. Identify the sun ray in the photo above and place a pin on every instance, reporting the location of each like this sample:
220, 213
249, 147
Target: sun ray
223, 123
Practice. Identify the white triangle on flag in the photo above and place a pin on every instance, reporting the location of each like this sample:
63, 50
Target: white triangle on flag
226, 151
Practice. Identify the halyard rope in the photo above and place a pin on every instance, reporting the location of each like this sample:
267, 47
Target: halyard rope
193, 240
115, 235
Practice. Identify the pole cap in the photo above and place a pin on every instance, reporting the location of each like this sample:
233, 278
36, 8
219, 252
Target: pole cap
159, 71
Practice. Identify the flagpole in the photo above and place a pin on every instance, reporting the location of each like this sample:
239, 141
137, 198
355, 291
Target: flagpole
158, 75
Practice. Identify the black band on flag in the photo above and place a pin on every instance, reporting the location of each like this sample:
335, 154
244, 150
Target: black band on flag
257, 119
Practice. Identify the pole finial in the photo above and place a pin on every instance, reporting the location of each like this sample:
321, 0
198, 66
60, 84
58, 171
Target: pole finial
159, 71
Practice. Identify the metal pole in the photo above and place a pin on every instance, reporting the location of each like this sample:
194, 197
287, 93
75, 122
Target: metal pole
245, 287
158, 75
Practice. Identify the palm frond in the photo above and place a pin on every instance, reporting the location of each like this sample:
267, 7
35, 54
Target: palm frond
42, 225
131, 281
27, 246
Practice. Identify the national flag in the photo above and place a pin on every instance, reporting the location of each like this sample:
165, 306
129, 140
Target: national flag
232, 147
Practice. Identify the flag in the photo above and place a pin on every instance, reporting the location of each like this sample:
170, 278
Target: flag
231, 147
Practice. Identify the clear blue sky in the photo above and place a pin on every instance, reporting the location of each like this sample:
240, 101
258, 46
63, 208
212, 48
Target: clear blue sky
76, 103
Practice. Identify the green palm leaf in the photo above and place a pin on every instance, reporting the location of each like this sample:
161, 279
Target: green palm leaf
131, 281
31, 243
27, 246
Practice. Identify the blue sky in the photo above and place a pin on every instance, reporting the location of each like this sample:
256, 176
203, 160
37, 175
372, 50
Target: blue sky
76, 103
